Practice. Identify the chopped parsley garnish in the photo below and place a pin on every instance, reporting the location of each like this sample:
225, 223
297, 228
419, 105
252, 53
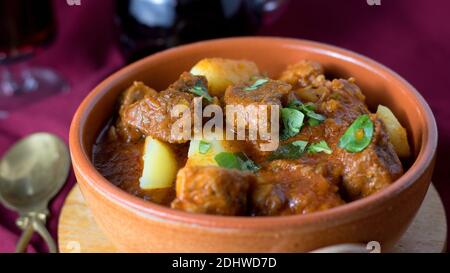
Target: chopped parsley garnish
292, 121
292, 150
257, 84
308, 109
228, 160
313, 122
319, 147
200, 90
293, 117
358, 136
246, 163
238, 161
294, 104
204, 147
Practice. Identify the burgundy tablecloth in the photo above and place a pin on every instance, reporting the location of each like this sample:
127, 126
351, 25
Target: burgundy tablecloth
411, 37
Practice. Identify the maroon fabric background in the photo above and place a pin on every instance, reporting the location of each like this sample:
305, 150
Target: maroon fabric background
411, 37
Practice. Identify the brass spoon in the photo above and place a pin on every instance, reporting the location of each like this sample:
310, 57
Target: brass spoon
31, 173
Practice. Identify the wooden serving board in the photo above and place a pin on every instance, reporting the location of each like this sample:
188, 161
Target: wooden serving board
78, 232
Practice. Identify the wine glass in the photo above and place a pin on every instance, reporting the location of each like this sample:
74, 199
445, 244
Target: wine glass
148, 26
25, 27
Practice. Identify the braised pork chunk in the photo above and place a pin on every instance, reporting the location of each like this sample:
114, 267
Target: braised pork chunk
332, 148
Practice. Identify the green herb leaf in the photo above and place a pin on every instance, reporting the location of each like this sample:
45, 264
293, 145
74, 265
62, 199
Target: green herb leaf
200, 90
309, 110
292, 150
294, 104
238, 161
320, 147
313, 122
204, 147
257, 84
228, 160
292, 121
311, 114
246, 163
358, 136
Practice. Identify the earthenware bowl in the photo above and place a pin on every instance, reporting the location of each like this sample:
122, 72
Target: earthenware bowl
135, 225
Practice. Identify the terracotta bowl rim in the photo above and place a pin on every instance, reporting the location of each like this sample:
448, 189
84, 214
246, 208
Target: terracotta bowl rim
347, 212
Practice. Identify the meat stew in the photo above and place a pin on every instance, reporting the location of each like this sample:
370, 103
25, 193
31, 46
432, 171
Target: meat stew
332, 149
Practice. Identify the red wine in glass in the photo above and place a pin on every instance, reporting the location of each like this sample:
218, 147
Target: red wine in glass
148, 26
26, 26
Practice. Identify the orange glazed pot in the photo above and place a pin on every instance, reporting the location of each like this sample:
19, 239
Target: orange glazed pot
135, 225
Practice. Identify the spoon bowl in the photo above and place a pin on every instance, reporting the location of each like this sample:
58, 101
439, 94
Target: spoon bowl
33, 171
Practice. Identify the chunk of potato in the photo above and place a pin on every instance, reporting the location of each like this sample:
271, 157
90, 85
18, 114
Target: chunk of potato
221, 73
397, 134
160, 165
216, 146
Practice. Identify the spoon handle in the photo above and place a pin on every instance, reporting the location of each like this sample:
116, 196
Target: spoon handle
39, 226
25, 238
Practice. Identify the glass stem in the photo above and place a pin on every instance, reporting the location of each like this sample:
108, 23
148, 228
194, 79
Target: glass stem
29, 82
8, 85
